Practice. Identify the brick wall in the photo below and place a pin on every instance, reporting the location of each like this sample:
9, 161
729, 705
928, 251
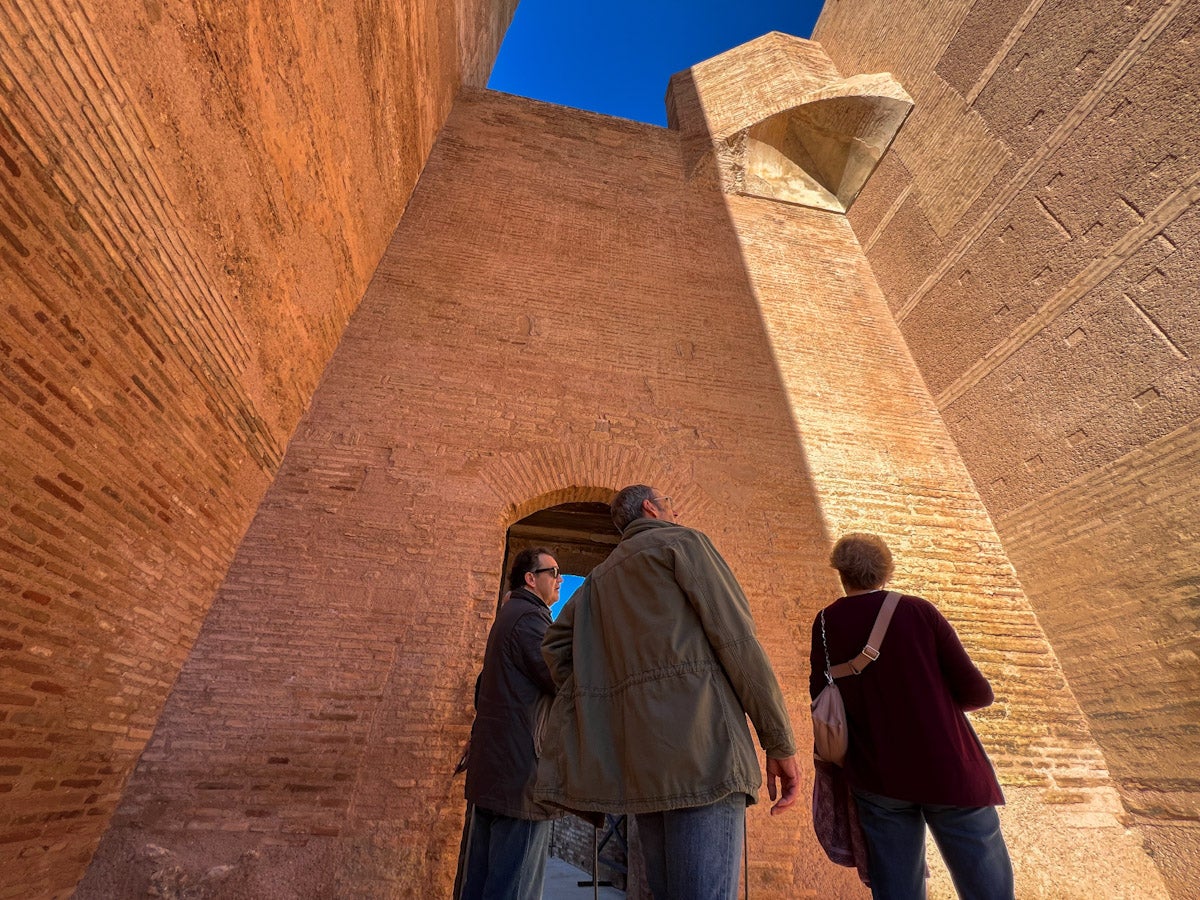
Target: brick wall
545, 253
192, 199
562, 312
1035, 232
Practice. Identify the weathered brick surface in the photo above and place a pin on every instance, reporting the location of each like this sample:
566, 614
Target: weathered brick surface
746, 84
192, 199
191, 202
1145, 696
1054, 319
561, 312
881, 460
545, 253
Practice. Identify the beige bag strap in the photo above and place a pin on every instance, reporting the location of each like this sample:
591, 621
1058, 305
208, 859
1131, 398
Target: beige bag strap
870, 652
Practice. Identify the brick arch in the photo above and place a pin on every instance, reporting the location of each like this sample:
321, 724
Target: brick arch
579, 471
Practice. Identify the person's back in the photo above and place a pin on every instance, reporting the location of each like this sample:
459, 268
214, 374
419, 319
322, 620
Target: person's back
908, 737
657, 667
913, 759
511, 707
665, 727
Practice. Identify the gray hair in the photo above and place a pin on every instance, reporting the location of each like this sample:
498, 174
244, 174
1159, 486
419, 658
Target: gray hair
863, 560
627, 505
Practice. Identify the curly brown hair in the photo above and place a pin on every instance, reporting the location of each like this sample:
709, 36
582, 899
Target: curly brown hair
863, 560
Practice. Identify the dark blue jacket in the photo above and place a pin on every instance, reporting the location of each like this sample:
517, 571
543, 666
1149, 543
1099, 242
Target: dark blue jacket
512, 699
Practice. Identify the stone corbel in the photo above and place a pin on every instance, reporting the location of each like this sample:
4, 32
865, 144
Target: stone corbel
821, 151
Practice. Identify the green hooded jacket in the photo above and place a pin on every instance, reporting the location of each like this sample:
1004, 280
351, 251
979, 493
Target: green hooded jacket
657, 666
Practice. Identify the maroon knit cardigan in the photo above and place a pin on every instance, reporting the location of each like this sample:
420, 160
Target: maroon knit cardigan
909, 738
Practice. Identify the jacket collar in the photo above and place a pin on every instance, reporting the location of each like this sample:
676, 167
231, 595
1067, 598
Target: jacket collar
526, 594
645, 523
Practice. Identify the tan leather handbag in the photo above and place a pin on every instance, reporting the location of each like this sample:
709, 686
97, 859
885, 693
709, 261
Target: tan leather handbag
831, 736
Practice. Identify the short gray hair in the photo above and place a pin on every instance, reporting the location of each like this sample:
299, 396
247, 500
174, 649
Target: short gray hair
627, 505
863, 560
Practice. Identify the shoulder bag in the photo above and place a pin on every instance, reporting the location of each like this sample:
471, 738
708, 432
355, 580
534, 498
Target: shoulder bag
830, 733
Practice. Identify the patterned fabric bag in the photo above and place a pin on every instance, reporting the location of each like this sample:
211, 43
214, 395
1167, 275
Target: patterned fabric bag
835, 819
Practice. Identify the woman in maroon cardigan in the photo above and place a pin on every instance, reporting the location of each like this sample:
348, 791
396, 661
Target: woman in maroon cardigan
913, 758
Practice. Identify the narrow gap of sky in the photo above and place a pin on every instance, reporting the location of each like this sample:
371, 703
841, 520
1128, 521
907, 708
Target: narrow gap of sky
615, 56
570, 584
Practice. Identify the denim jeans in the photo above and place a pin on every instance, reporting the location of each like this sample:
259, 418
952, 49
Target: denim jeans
968, 837
695, 853
506, 858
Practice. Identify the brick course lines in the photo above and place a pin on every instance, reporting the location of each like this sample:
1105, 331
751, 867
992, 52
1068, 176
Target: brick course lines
1140, 620
116, 167
1158, 220
1055, 323
187, 219
897, 442
339, 654
1136, 47
192, 201
881, 460
466, 390
1010, 40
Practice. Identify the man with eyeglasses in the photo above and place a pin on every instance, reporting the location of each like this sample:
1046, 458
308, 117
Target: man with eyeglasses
658, 650
509, 832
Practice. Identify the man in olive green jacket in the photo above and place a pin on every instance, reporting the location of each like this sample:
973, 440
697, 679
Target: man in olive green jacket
657, 666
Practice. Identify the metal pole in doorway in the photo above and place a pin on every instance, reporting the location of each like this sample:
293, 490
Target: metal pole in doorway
746, 855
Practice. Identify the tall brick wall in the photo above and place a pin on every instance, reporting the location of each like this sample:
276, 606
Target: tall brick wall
192, 200
561, 312
1035, 231
557, 316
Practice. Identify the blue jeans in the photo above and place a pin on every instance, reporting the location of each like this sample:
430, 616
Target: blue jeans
968, 837
695, 853
506, 858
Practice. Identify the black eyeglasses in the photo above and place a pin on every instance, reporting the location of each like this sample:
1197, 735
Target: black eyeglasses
553, 570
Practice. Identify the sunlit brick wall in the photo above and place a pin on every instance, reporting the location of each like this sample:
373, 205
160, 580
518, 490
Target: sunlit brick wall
192, 200
1036, 232
562, 312
556, 317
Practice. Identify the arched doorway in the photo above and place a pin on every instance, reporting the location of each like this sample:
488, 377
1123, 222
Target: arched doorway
580, 535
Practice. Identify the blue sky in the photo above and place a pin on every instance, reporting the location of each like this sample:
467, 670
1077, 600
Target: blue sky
615, 56
569, 586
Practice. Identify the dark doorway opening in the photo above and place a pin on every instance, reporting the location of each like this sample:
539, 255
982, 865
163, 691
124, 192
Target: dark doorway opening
580, 535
